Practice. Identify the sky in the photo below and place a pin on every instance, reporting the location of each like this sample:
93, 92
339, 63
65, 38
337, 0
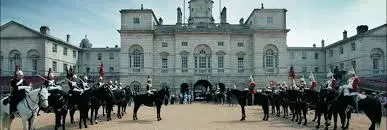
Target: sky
309, 21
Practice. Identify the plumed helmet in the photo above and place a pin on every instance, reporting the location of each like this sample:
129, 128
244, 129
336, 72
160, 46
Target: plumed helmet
251, 78
311, 76
302, 79
235, 86
352, 72
100, 78
75, 76
110, 82
149, 79
329, 74
85, 77
116, 82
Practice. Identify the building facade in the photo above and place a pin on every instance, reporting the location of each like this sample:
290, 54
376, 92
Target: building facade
195, 55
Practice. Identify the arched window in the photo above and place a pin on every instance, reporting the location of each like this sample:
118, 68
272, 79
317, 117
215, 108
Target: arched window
33, 59
135, 85
270, 58
202, 58
136, 58
14, 59
376, 58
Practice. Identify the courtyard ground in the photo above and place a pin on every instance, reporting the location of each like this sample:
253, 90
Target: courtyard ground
195, 116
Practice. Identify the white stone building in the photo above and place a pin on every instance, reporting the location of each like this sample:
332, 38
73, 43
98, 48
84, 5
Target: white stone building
198, 53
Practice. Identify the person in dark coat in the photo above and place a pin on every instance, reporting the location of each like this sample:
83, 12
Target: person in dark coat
20, 88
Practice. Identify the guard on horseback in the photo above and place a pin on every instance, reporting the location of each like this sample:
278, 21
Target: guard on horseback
20, 88
112, 87
84, 84
302, 84
73, 83
352, 88
331, 82
313, 82
50, 83
149, 85
283, 86
100, 82
252, 85
217, 89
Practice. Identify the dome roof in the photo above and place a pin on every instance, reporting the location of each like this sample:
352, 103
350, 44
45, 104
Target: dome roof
85, 40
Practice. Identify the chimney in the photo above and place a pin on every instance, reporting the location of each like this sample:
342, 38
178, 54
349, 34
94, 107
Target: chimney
223, 15
261, 5
322, 43
161, 21
314, 45
179, 15
361, 29
116, 46
345, 34
241, 21
142, 7
68, 38
44, 30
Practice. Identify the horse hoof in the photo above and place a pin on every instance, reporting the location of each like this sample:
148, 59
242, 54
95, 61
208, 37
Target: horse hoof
304, 124
242, 119
317, 126
96, 122
313, 120
299, 122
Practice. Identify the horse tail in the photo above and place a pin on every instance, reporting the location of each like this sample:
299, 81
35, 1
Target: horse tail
378, 113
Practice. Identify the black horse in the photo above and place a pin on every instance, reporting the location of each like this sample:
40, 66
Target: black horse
306, 99
156, 98
260, 98
129, 93
97, 98
283, 95
292, 102
231, 99
343, 106
58, 104
80, 102
324, 102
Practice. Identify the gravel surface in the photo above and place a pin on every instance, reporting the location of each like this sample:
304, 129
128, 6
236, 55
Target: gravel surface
195, 116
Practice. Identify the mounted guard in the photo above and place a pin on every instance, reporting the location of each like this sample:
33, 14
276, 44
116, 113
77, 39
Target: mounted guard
331, 82
50, 83
283, 86
73, 82
217, 89
352, 88
252, 85
20, 88
149, 85
100, 78
302, 84
85, 85
313, 82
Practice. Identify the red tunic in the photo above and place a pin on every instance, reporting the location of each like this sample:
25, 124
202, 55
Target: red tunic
314, 85
333, 84
355, 84
252, 86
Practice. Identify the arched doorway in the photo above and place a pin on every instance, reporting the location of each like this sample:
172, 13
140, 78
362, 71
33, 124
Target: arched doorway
184, 88
200, 89
222, 87
135, 85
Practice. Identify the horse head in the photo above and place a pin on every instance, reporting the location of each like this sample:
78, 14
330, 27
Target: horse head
42, 96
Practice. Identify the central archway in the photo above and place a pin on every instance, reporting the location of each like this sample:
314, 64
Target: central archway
200, 89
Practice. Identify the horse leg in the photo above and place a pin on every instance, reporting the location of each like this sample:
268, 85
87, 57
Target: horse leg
318, 116
265, 108
348, 118
80, 118
158, 113
335, 120
91, 115
96, 114
135, 109
72, 111
103, 110
85, 112
305, 112
64, 114
243, 113
57, 119
342, 119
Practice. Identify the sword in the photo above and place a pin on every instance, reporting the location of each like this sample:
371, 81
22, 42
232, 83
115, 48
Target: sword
41, 77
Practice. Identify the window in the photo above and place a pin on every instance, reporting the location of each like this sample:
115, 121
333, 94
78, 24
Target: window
316, 56
184, 63
240, 65
164, 63
184, 43
353, 63
99, 56
341, 50
87, 55
375, 63
65, 51
353, 46
34, 64
54, 66
111, 69
54, 48
136, 20
240, 44
16, 60
220, 61
74, 54
341, 66
316, 69
269, 59
304, 55
269, 19
88, 70
220, 43
111, 56
64, 67
137, 58
331, 53
164, 44
202, 62
304, 69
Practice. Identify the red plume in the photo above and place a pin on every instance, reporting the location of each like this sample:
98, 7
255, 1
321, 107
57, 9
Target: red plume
292, 73
101, 71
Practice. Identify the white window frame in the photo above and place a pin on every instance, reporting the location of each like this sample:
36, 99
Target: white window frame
269, 20
136, 20
99, 57
54, 66
65, 51
55, 48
